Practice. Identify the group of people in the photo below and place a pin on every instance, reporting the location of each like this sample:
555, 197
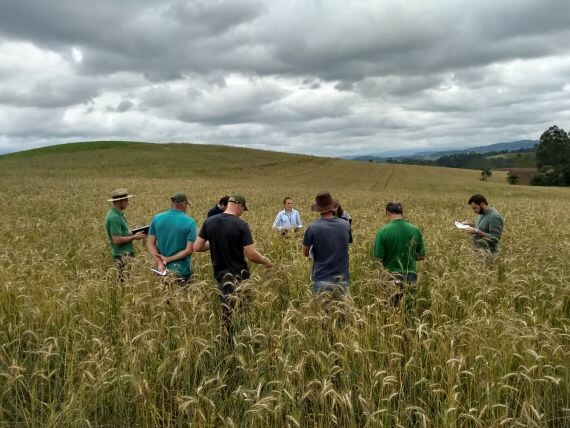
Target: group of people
172, 239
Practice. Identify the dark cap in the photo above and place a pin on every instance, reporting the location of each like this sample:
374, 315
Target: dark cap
179, 197
238, 199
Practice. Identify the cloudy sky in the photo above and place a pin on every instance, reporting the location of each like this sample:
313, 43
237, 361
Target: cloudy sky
321, 77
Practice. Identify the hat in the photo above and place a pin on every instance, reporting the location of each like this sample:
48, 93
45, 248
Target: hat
324, 203
179, 197
119, 194
238, 199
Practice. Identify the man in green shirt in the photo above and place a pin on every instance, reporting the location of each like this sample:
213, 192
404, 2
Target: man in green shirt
488, 227
397, 247
118, 231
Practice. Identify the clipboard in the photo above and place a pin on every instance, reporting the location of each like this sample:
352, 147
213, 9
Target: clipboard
143, 229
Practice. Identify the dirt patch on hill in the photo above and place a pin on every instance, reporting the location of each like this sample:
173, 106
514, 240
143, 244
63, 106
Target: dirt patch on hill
524, 174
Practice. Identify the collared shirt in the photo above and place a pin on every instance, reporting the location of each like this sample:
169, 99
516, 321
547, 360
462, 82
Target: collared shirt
173, 230
490, 222
116, 225
287, 220
399, 244
327, 239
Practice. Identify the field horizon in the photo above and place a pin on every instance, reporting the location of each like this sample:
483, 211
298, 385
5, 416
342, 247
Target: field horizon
482, 344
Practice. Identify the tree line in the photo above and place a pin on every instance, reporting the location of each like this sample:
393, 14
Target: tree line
551, 158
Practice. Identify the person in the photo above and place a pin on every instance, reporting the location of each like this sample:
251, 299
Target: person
288, 218
228, 239
341, 213
397, 247
120, 237
171, 239
326, 241
219, 208
488, 227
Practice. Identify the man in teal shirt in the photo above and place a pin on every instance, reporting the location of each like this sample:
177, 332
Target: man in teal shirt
488, 228
397, 247
171, 238
118, 232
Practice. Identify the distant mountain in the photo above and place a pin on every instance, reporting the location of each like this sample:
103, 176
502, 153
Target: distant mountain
432, 154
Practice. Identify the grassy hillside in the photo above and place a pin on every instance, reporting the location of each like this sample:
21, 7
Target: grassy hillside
483, 345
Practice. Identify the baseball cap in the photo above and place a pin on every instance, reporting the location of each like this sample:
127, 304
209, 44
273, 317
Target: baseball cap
238, 199
179, 197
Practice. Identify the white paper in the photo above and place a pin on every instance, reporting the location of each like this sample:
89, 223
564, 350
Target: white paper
461, 225
161, 273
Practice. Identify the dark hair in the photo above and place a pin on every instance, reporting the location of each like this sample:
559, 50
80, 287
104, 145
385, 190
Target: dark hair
477, 199
395, 208
287, 197
224, 200
339, 211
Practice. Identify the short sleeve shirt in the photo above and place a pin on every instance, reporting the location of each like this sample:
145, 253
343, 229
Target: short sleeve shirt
173, 230
398, 244
116, 225
328, 240
228, 235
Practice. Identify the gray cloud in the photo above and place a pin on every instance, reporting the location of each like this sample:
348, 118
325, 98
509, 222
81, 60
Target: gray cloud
333, 77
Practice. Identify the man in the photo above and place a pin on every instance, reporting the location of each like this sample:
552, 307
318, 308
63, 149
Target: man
397, 247
171, 238
118, 232
219, 208
228, 238
327, 241
288, 218
341, 213
488, 227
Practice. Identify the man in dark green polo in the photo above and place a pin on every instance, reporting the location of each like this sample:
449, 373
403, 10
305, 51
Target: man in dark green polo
118, 231
488, 228
398, 245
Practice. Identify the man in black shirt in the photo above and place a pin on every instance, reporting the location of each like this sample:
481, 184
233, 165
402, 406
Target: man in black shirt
228, 238
220, 208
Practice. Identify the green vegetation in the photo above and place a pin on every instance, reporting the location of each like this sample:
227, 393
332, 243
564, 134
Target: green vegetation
522, 158
482, 345
553, 158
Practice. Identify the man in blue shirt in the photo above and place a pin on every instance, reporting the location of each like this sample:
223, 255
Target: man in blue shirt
326, 241
288, 218
171, 238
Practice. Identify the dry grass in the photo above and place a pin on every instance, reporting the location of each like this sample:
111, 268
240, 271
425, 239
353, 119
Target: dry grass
482, 345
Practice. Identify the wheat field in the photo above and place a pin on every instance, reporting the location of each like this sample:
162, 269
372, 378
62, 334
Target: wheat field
482, 345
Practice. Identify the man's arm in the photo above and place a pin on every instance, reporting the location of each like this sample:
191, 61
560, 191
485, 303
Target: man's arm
201, 245
153, 251
420, 249
306, 251
254, 256
277, 222
182, 254
120, 240
495, 227
298, 223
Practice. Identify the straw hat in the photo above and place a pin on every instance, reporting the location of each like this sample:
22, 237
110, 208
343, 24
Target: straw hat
119, 194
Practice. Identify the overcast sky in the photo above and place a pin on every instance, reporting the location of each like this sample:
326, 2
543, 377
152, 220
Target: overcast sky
317, 77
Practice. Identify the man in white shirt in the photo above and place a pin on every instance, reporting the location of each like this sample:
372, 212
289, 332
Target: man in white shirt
288, 218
